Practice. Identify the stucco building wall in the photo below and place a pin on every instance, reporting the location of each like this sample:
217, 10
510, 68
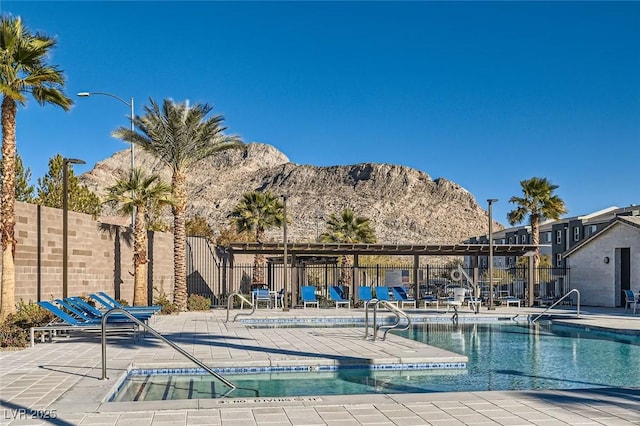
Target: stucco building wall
597, 281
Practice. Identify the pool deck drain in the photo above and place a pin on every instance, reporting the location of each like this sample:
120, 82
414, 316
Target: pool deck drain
62, 379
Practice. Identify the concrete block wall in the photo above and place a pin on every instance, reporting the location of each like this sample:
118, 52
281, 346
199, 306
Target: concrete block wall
99, 256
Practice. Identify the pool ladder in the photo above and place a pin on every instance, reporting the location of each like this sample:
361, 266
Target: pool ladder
202, 365
575, 290
243, 300
399, 313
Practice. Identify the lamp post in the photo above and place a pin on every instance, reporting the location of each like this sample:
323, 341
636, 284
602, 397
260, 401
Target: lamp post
285, 299
491, 201
131, 106
65, 221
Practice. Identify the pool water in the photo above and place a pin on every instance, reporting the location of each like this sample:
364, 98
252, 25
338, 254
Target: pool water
539, 356
502, 356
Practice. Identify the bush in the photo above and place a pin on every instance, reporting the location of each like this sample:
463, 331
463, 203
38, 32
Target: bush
195, 302
162, 299
14, 331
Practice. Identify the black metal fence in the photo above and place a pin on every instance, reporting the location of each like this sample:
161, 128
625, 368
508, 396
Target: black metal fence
210, 275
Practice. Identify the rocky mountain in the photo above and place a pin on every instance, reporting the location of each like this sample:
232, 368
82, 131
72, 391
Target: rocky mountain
405, 205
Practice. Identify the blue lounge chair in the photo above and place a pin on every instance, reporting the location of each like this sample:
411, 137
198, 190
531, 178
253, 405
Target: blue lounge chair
365, 294
401, 296
95, 313
337, 295
309, 296
382, 293
110, 301
67, 323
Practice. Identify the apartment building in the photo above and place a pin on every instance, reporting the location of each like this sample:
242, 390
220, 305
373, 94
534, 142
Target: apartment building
556, 236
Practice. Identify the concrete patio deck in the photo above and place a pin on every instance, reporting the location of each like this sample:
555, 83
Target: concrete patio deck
63, 378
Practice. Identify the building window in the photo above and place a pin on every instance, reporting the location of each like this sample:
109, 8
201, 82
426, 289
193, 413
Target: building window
592, 229
559, 259
576, 233
547, 237
523, 239
559, 237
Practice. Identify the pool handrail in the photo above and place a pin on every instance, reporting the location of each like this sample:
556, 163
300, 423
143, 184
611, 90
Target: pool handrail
393, 308
161, 337
366, 317
398, 312
243, 300
575, 290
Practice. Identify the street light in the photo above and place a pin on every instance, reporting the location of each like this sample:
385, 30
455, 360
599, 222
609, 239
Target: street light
130, 105
65, 221
285, 299
491, 201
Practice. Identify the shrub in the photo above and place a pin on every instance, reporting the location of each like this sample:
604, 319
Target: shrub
195, 302
14, 331
162, 299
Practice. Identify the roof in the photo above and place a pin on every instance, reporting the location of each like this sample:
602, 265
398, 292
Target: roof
633, 221
384, 249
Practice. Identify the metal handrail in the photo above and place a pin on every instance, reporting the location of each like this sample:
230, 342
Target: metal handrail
398, 312
575, 290
159, 336
243, 299
366, 317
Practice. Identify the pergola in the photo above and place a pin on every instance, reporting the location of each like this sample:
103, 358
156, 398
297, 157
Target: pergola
294, 249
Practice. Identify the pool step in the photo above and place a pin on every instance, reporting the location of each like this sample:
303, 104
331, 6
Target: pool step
165, 387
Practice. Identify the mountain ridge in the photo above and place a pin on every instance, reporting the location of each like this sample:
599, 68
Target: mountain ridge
405, 205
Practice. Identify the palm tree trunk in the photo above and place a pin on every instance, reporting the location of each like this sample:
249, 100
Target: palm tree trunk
7, 212
179, 240
535, 240
345, 271
258, 261
140, 259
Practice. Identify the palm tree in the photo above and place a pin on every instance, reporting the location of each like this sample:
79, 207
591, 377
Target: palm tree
139, 193
180, 136
23, 70
256, 212
347, 228
539, 203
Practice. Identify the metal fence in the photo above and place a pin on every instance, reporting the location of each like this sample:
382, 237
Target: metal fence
210, 275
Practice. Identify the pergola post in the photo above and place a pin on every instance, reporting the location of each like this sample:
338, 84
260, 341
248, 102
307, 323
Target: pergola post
476, 275
293, 273
356, 277
416, 284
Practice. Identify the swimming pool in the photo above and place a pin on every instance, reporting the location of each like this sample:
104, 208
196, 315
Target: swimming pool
502, 356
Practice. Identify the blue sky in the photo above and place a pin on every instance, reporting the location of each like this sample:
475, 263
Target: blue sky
485, 94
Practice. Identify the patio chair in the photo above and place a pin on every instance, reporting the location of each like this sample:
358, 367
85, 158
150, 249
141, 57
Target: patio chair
630, 300
261, 295
309, 296
401, 296
337, 295
458, 299
382, 293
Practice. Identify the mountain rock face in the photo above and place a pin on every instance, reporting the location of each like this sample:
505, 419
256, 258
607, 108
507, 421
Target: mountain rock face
405, 205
